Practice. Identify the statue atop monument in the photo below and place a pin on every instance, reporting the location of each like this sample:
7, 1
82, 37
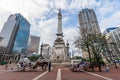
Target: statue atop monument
59, 30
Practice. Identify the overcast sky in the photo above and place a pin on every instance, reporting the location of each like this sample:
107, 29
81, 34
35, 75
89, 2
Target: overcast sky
42, 15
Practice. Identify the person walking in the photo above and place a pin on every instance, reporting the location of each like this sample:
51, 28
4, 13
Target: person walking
107, 68
49, 66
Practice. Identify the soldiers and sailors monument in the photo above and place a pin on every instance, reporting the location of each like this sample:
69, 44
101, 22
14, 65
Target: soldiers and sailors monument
60, 51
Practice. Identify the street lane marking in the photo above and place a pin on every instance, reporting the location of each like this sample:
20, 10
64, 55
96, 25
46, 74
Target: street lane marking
99, 75
36, 78
59, 74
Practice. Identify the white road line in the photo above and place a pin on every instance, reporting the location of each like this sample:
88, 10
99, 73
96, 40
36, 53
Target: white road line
59, 75
99, 75
36, 78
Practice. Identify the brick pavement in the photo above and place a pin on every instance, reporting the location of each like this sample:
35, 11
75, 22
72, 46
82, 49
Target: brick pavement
113, 73
66, 75
19, 75
50, 75
69, 75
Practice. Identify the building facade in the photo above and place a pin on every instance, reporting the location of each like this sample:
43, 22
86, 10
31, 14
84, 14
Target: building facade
113, 36
88, 21
1, 39
34, 44
88, 24
46, 51
109, 30
15, 33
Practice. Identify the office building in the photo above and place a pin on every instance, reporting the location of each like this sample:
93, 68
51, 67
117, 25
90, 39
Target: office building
46, 50
109, 30
1, 39
113, 36
15, 33
88, 21
88, 24
34, 44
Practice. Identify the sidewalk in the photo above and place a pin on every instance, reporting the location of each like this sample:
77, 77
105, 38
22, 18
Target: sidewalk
113, 73
10, 67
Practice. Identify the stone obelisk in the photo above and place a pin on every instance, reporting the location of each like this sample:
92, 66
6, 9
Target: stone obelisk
59, 49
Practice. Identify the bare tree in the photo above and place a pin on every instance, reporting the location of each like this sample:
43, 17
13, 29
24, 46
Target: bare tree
95, 44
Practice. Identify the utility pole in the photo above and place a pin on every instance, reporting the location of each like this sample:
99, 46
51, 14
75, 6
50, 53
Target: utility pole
41, 51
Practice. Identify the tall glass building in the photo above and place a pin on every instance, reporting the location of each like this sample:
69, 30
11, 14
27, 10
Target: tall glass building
15, 35
21, 40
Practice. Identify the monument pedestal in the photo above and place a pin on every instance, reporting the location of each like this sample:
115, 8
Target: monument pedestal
66, 63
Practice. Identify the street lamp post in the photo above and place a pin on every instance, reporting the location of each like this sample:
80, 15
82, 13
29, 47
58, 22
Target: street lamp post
67, 49
48, 56
41, 51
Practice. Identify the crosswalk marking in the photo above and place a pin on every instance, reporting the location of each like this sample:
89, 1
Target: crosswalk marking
36, 78
59, 74
99, 75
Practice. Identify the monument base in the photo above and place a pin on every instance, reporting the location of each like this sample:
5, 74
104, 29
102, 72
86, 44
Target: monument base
61, 62
57, 60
